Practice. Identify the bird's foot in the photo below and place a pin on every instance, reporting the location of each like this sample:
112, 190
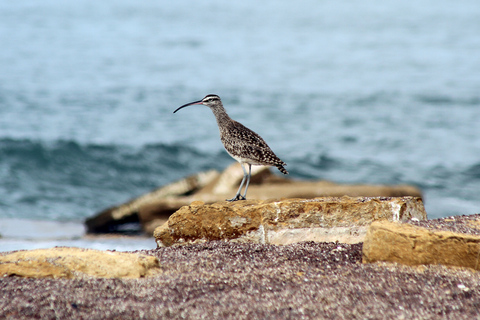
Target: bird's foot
236, 198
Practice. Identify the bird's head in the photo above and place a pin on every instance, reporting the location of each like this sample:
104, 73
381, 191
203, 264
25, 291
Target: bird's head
210, 100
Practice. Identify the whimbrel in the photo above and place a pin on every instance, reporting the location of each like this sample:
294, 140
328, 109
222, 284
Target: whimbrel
241, 143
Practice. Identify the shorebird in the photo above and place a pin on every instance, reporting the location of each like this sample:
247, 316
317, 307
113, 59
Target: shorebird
241, 143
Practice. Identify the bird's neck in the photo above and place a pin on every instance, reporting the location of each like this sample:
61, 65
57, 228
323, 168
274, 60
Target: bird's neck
221, 115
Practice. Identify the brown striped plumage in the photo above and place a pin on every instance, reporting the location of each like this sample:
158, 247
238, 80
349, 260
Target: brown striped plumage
241, 143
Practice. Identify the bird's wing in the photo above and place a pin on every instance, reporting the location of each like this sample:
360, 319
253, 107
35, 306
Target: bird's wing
242, 142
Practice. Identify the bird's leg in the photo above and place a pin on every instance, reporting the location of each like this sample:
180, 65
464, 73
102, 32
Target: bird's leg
238, 196
248, 180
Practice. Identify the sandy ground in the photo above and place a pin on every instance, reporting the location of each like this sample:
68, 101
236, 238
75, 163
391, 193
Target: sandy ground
219, 280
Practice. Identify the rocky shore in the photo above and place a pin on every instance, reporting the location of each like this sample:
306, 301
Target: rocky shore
243, 280
223, 280
323, 257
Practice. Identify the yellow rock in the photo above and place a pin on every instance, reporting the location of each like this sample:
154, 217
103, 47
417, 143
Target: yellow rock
285, 221
412, 245
65, 262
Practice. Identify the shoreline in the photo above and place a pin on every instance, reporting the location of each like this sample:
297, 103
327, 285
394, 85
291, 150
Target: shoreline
231, 280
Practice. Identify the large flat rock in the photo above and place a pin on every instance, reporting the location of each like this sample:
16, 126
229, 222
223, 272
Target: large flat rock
324, 219
414, 245
65, 262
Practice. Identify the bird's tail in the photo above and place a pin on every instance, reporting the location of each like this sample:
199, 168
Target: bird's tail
282, 169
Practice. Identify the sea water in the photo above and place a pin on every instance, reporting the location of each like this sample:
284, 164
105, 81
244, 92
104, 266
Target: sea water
375, 92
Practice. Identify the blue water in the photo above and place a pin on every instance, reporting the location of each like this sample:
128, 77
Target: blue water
382, 92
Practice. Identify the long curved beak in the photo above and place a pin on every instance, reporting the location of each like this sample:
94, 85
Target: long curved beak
188, 104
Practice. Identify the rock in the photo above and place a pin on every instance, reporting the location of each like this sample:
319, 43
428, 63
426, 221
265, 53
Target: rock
64, 262
412, 245
153, 209
111, 219
285, 221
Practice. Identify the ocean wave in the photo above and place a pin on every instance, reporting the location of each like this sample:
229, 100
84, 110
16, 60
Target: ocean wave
441, 99
66, 179
66, 155
473, 172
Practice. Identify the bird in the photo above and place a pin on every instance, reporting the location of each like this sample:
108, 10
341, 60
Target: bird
241, 143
